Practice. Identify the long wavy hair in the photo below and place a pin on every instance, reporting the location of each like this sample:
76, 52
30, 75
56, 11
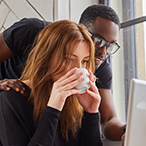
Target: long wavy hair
39, 70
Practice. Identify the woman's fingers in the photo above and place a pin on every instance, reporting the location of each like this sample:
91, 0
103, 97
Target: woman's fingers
73, 83
91, 76
68, 74
72, 91
93, 91
93, 87
70, 80
94, 95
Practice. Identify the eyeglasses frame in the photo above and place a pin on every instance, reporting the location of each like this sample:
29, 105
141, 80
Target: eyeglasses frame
116, 43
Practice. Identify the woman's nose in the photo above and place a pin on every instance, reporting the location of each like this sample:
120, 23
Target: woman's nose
79, 65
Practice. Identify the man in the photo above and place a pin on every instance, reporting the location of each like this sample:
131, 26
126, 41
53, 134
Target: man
103, 25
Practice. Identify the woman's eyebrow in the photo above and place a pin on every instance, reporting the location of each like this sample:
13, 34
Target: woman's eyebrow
77, 56
87, 57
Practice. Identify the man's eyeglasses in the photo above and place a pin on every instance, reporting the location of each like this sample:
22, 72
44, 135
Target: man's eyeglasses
111, 48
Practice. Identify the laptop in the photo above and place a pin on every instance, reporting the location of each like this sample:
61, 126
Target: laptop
136, 118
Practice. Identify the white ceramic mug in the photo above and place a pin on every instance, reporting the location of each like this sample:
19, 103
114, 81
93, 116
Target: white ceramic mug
83, 85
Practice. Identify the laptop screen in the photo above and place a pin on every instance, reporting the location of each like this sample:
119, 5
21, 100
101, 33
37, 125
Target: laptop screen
136, 118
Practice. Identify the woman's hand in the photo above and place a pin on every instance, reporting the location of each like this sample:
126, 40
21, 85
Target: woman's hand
91, 99
64, 87
13, 83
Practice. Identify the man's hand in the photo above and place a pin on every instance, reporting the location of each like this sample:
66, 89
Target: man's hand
13, 83
112, 127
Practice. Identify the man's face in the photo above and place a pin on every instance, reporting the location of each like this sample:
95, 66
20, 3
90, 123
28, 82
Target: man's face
106, 30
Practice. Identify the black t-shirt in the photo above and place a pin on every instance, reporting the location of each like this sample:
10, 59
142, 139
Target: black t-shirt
17, 127
20, 36
104, 75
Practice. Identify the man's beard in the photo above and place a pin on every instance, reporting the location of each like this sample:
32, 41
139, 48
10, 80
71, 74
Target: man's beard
99, 59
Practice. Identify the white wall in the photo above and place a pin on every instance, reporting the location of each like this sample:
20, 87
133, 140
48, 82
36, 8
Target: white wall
50, 10
71, 9
14, 10
77, 7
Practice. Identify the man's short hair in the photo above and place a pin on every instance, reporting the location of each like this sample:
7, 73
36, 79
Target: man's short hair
90, 14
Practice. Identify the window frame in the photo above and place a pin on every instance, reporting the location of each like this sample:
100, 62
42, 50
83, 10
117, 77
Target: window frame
129, 42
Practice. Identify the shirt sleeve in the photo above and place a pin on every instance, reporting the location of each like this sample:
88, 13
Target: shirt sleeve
90, 134
21, 34
17, 126
46, 129
104, 76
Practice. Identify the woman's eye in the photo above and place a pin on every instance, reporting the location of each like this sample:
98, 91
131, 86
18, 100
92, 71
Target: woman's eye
85, 61
69, 59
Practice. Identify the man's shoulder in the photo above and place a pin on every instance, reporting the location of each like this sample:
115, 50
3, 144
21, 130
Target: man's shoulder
12, 102
11, 97
15, 111
35, 22
21, 34
14, 96
24, 26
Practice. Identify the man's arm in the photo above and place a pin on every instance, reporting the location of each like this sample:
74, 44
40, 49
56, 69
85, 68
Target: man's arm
5, 52
5, 84
112, 128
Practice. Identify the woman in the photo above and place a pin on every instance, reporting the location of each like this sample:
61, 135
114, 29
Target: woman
51, 112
